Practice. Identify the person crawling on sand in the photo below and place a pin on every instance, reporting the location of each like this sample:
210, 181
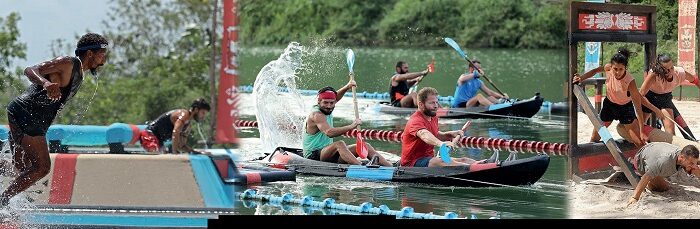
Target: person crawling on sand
658, 160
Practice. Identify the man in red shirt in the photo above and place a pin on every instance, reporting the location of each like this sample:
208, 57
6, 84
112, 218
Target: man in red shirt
421, 135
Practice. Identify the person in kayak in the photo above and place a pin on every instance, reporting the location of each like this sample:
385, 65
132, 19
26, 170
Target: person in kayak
319, 132
467, 90
622, 100
421, 135
174, 125
658, 85
401, 82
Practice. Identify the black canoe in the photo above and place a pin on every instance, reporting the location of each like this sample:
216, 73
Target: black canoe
523, 108
514, 172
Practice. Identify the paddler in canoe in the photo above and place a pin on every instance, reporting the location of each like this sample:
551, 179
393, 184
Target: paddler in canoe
421, 135
319, 132
401, 82
467, 90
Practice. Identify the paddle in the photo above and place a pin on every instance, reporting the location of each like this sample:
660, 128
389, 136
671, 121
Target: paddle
455, 46
431, 69
445, 151
361, 147
681, 128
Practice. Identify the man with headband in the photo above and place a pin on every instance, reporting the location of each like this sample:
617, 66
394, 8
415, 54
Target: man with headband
53, 83
319, 131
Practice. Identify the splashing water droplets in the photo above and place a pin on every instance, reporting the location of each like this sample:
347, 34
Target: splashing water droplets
280, 114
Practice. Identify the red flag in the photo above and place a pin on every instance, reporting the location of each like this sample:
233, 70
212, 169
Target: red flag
361, 147
226, 112
431, 66
687, 13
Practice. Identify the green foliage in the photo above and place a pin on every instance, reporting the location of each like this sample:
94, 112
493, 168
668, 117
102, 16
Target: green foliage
10, 49
546, 28
279, 22
414, 23
158, 61
421, 23
10, 46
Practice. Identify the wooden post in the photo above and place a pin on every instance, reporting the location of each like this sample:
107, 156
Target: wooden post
650, 54
573, 104
212, 75
605, 136
597, 83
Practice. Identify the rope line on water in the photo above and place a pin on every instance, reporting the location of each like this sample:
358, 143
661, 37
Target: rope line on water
510, 145
329, 203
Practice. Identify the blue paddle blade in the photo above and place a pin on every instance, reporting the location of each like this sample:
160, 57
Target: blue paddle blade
445, 153
455, 46
351, 59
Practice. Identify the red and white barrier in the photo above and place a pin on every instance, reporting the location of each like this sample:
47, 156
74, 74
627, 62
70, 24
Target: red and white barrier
468, 141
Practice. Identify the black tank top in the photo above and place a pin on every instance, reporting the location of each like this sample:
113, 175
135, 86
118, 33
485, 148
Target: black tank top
35, 101
163, 127
401, 88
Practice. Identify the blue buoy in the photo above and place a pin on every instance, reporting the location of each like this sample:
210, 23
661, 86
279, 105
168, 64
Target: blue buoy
287, 197
365, 207
406, 212
328, 202
248, 194
384, 210
307, 200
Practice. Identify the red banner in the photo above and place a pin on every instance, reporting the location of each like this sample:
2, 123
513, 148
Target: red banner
609, 21
226, 112
687, 10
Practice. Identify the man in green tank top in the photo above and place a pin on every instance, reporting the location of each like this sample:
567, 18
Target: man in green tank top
319, 131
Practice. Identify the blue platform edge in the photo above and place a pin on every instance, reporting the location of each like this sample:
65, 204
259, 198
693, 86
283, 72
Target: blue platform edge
215, 193
117, 221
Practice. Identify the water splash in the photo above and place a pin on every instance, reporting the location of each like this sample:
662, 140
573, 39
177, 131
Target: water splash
204, 139
14, 211
280, 115
6, 167
81, 113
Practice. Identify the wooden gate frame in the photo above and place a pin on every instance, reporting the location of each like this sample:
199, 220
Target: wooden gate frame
577, 31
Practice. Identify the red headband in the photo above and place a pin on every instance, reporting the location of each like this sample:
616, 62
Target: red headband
327, 95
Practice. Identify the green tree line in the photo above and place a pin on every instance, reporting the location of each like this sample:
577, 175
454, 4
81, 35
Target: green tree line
402, 23
158, 61
11, 49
